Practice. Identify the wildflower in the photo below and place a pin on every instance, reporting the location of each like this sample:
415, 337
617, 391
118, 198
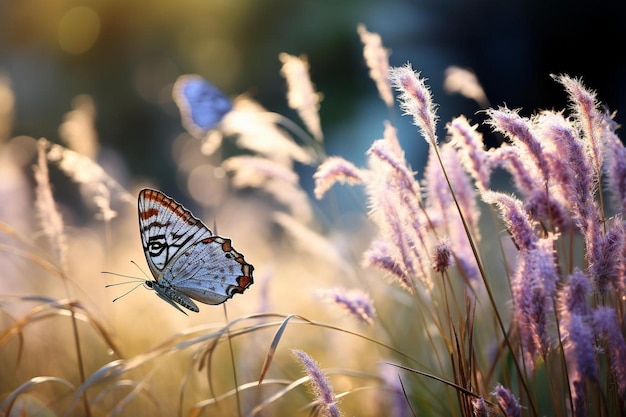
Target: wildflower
525, 175
394, 199
572, 296
578, 342
480, 407
570, 169
515, 218
78, 130
469, 144
320, 385
416, 100
606, 257
380, 255
253, 171
95, 182
520, 131
49, 216
335, 169
615, 168
508, 403
533, 286
257, 130
301, 95
390, 136
402, 176
464, 82
606, 324
377, 60
357, 303
442, 259
273, 177
589, 118
440, 201
580, 349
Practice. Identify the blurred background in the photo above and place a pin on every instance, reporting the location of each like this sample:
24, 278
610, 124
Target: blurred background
127, 54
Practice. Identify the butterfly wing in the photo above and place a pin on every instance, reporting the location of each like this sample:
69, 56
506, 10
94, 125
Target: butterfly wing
210, 271
167, 229
201, 104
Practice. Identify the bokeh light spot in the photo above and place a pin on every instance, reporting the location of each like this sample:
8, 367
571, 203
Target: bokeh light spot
78, 30
205, 186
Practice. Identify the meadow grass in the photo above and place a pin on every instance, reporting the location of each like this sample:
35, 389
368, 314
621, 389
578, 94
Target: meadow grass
444, 296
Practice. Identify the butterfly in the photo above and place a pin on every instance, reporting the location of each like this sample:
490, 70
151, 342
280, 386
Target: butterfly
202, 105
186, 260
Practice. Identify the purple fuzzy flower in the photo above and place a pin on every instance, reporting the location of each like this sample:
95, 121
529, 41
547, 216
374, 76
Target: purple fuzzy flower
544, 207
520, 131
480, 407
416, 100
320, 384
440, 202
357, 303
335, 169
572, 297
534, 285
580, 347
442, 259
570, 166
508, 403
606, 257
380, 256
525, 175
589, 118
615, 168
395, 202
606, 324
469, 143
515, 218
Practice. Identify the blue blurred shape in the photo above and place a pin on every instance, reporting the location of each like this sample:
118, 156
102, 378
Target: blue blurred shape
202, 105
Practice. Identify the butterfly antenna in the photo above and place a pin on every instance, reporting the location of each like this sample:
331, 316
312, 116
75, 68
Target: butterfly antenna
123, 276
127, 292
139, 268
232, 360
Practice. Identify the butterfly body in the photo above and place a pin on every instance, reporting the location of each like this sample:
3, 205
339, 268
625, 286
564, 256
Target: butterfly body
186, 260
171, 296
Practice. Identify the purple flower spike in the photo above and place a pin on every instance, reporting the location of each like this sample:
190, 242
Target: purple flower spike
525, 175
380, 256
335, 169
571, 169
515, 218
416, 100
606, 324
508, 403
590, 119
581, 348
480, 407
606, 257
533, 286
357, 303
320, 384
442, 259
615, 167
469, 143
520, 130
572, 296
